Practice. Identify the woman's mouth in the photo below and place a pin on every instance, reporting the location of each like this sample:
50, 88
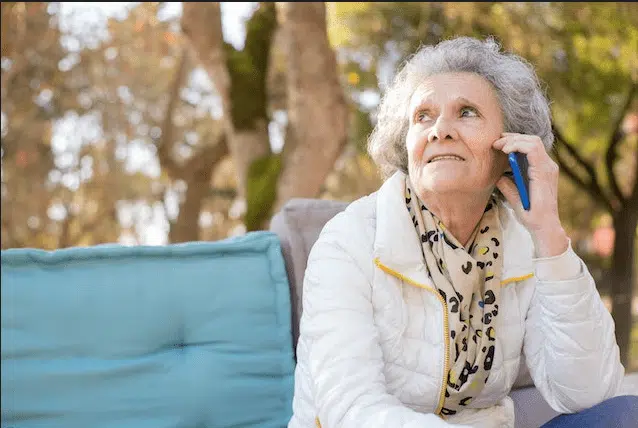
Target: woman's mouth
446, 157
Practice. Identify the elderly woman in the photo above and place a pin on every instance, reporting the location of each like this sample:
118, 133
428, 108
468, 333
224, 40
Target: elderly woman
420, 300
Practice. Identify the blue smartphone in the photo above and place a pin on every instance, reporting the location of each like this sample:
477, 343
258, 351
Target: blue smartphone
518, 162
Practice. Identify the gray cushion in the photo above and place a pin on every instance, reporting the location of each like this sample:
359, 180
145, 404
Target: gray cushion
298, 225
524, 378
530, 408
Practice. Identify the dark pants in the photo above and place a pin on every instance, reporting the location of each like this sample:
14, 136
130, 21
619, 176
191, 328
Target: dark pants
617, 412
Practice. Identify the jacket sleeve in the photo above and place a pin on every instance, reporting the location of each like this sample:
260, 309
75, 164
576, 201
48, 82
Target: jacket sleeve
345, 358
569, 344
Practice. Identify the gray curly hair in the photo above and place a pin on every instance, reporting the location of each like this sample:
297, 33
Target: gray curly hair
525, 108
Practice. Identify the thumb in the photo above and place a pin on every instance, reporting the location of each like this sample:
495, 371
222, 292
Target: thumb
509, 190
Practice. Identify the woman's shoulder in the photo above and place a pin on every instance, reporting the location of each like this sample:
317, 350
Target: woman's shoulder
354, 227
359, 212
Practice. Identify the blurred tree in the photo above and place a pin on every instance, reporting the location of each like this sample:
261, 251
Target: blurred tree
127, 125
163, 118
35, 95
166, 107
63, 175
315, 107
586, 53
96, 138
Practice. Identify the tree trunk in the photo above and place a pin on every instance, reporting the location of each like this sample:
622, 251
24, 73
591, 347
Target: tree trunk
621, 274
624, 211
317, 111
247, 147
186, 226
237, 80
199, 172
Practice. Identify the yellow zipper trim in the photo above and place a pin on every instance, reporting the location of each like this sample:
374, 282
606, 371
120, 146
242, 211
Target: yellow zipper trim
317, 423
446, 323
516, 279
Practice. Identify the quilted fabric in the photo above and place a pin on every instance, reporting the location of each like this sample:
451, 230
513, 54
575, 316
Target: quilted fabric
372, 347
298, 226
192, 335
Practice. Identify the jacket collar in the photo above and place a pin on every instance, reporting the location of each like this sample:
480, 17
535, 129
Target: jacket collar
397, 245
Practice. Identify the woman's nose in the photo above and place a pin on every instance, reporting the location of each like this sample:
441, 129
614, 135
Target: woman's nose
443, 129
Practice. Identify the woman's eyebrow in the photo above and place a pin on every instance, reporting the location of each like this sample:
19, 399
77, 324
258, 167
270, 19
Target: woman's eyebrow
424, 103
463, 100
418, 109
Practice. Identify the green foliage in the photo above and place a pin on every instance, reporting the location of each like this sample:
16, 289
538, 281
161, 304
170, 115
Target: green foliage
360, 128
261, 190
248, 69
586, 54
90, 182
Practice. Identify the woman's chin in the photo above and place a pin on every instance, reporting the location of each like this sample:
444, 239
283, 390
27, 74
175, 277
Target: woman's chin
445, 183
446, 188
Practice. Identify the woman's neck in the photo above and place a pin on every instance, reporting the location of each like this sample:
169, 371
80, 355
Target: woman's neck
460, 214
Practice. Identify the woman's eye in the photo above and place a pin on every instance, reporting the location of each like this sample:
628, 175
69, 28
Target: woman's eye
422, 116
468, 112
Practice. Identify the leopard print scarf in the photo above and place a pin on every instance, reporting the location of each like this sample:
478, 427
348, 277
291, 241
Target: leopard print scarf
469, 281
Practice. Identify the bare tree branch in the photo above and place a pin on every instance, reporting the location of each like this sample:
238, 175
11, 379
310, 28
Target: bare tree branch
202, 25
592, 186
562, 141
564, 167
200, 170
616, 137
166, 141
208, 157
65, 235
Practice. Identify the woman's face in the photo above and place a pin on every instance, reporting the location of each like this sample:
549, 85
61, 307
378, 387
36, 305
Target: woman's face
454, 119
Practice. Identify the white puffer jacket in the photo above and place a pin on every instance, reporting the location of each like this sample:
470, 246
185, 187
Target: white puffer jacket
374, 348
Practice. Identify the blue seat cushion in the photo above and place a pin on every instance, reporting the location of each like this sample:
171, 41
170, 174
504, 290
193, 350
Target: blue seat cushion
193, 335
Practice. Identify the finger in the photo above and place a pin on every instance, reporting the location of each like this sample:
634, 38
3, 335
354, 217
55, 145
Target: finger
520, 140
530, 146
511, 136
526, 147
509, 190
498, 144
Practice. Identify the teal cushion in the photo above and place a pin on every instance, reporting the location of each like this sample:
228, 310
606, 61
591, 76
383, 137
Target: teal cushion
193, 335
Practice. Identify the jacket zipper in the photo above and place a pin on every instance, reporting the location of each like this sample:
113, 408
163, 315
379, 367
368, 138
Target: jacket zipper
446, 325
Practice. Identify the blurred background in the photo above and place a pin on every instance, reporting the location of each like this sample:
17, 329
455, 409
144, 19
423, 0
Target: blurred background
164, 122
